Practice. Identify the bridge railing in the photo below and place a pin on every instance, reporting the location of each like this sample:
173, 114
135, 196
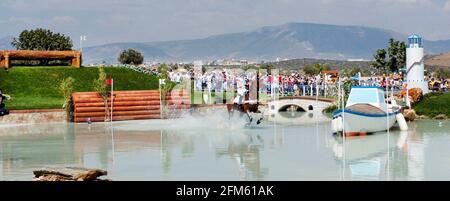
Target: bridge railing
322, 90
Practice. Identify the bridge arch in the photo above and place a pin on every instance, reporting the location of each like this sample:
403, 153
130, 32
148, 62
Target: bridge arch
292, 107
300, 103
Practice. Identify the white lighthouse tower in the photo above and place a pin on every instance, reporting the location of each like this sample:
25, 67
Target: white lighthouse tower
415, 64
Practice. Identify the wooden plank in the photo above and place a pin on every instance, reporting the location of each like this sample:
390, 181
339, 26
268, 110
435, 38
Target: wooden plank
94, 104
90, 114
133, 108
136, 103
137, 112
73, 56
118, 118
68, 174
89, 109
138, 98
136, 117
118, 113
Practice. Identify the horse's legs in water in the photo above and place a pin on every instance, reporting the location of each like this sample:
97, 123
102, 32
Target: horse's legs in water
230, 111
241, 109
250, 119
260, 119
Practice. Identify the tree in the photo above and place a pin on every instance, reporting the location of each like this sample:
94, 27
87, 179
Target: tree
401, 55
66, 89
321, 67
42, 39
442, 73
248, 67
396, 56
101, 88
131, 56
309, 69
268, 67
380, 60
163, 70
315, 69
350, 71
393, 50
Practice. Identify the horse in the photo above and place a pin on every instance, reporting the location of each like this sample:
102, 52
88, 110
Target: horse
244, 107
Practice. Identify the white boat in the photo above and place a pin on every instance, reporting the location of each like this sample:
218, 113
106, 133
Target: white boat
367, 111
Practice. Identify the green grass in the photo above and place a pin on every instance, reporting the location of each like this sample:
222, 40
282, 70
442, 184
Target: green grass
38, 87
433, 104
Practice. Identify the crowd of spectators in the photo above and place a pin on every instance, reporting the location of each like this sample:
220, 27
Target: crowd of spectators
294, 83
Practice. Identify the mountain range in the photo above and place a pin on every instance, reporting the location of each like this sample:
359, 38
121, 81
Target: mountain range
292, 40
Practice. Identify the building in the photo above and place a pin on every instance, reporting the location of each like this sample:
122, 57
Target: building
415, 64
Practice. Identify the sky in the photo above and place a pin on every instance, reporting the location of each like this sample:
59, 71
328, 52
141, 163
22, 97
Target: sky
106, 21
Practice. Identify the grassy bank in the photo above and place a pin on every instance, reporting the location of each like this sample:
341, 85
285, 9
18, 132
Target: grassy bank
38, 87
434, 104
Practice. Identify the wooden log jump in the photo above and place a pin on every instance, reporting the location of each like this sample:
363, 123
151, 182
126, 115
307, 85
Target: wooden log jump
68, 174
127, 105
6, 56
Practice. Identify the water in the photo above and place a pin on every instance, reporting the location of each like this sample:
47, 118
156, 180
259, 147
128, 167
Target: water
209, 147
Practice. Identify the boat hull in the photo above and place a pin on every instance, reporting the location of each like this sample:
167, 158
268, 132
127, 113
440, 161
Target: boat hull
363, 123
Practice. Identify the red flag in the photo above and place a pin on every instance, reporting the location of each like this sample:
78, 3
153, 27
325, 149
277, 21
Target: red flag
108, 81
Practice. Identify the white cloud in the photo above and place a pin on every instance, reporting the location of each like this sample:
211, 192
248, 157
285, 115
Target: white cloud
447, 6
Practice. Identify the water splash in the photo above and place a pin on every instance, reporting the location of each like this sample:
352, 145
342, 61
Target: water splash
213, 119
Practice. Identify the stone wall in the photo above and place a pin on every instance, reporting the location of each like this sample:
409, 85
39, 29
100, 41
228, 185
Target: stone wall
34, 116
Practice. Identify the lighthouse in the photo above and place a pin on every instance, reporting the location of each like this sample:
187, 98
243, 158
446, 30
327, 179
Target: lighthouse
415, 64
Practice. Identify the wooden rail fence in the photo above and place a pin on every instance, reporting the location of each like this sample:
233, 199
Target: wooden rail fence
128, 105
6, 56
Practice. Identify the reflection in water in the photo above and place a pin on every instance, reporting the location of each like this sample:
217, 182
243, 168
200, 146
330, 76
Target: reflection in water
246, 152
370, 157
297, 118
205, 150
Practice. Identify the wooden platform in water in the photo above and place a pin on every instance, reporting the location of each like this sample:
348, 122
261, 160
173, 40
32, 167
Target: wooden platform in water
68, 174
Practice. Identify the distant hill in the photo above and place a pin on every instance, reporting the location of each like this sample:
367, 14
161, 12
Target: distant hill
287, 41
292, 40
440, 60
295, 64
110, 52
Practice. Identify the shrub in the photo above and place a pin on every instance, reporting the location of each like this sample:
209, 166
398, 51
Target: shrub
433, 104
330, 109
101, 88
66, 89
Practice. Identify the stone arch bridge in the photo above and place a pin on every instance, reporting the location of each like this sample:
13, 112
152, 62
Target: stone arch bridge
299, 103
